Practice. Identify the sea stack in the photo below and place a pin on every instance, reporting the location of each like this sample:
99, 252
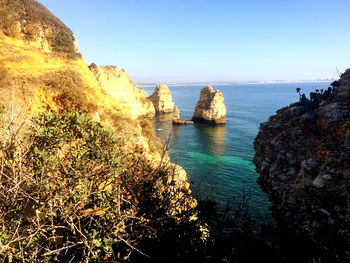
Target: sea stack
176, 118
162, 99
176, 115
210, 107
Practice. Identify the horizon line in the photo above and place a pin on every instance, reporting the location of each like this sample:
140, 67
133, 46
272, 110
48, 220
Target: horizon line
175, 83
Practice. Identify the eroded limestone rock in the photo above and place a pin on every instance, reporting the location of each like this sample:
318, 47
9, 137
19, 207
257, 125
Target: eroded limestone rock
210, 107
176, 118
176, 114
117, 84
162, 99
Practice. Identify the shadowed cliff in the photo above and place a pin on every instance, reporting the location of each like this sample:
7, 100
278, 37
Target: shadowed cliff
303, 157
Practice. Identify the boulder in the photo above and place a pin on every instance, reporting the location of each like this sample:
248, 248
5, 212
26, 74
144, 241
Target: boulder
162, 99
210, 107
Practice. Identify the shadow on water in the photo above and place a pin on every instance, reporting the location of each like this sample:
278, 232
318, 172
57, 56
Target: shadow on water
163, 126
212, 138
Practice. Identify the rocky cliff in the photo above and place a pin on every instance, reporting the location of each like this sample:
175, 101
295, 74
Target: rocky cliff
45, 87
117, 84
162, 99
58, 79
303, 157
210, 107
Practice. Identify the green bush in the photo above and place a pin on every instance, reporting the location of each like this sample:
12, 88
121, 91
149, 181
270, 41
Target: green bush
67, 193
64, 42
65, 201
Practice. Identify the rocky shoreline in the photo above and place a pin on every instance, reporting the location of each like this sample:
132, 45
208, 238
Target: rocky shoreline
302, 155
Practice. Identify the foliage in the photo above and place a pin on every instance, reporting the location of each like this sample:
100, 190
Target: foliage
317, 96
64, 42
68, 193
26, 18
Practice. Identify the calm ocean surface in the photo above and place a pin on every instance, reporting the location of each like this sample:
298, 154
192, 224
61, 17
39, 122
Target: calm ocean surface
218, 159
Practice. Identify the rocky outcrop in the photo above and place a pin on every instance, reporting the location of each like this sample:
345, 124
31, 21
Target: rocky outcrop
117, 84
176, 114
303, 157
59, 80
176, 118
210, 107
162, 99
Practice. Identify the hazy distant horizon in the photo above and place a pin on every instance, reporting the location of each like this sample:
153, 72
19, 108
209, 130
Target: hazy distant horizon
175, 83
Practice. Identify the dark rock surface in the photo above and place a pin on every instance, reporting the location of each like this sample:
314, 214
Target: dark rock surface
302, 155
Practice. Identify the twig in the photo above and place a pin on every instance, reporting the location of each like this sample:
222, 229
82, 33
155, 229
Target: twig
60, 249
126, 242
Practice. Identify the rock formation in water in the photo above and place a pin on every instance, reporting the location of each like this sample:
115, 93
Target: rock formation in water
162, 99
210, 107
176, 118
303, 157
176, 114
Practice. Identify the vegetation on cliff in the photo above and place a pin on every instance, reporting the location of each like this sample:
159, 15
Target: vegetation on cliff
28, 19
68, 193
73, 190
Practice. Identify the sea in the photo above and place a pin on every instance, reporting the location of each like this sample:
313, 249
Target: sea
218, 159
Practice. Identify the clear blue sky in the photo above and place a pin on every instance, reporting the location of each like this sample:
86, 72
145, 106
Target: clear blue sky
207, 40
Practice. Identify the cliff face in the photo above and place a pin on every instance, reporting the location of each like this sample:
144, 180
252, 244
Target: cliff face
117, 84
37, 81
210, 107
303, 157
113, 162
58, 79
162, 99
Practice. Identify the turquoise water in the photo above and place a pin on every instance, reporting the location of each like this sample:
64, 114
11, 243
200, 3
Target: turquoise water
218, 159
